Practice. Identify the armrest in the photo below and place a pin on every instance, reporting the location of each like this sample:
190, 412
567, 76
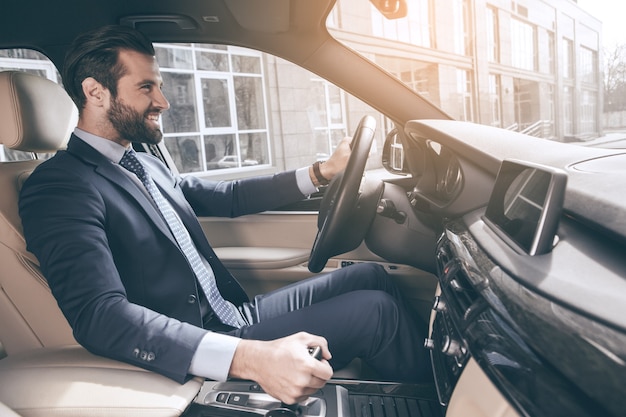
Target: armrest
70, 381
261, 257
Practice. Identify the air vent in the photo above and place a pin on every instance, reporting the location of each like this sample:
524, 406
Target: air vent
457, 287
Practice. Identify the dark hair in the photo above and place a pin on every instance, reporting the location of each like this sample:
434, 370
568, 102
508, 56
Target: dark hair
95, 54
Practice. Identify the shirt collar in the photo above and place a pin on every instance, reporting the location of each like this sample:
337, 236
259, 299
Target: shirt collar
111, 150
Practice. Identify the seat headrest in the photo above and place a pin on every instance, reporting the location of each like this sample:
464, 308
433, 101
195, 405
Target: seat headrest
36, 114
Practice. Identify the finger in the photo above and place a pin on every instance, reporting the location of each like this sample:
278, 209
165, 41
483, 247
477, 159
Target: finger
299, 396
304, 397
322, 370
300, 399
317, 383
306, 393
326, 353
321, 342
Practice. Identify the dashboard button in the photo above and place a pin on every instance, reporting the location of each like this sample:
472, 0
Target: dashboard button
451, 347
429, 343
439, 304
456, 286
237, 399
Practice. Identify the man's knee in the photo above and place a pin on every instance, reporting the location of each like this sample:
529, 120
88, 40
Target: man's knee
370, 272
382, 308
380, 318
373, 269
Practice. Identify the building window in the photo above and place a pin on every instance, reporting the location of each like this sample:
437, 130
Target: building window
527, 95
588, 65
417, 28
523, 45
464, 89
568, 111
463, 39
519, 9
568, 58
495, 100
588, 110
218, 117
493, 35
549, 128
551, 53
327, 117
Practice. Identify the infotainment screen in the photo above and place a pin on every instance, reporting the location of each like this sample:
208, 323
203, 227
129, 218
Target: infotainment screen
525, 205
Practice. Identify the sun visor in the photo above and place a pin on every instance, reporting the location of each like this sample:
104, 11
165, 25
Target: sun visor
261, 16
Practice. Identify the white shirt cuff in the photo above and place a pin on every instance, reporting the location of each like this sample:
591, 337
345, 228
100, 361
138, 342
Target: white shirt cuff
214, 356
305, 184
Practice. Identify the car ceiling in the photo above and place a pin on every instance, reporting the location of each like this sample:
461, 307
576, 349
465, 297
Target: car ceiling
50, 26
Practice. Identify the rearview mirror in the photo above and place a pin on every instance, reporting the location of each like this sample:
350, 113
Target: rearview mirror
391, 9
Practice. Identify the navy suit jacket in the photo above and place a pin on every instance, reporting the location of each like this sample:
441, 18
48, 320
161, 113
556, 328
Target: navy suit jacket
112, 263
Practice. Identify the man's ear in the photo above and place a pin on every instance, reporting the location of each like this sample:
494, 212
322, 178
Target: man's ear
95, 93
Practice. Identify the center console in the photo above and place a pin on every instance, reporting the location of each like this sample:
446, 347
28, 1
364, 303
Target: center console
339, 398
246, 396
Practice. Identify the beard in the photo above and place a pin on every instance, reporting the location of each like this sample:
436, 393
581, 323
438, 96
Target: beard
131, 125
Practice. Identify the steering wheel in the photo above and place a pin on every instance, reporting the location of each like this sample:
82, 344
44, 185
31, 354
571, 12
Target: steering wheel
349, 204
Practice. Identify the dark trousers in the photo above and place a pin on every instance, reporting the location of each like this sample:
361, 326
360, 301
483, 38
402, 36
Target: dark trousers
360, 312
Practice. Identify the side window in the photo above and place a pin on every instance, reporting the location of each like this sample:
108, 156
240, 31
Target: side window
218, 117
237, 112
32, 62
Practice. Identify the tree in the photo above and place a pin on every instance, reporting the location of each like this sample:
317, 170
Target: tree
615, 79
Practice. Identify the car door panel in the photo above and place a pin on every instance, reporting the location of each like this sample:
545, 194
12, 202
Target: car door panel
269, 250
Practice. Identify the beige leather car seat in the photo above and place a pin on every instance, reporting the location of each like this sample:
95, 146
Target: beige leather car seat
36, 115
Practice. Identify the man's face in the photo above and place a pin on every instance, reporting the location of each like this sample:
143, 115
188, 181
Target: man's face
134, 113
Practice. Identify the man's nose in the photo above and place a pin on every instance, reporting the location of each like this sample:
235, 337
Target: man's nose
160, 100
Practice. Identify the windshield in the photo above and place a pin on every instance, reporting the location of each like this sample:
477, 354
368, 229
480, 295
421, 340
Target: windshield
555, 70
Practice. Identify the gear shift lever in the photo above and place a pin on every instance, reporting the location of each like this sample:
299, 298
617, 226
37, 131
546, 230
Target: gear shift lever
316, 352
293, 410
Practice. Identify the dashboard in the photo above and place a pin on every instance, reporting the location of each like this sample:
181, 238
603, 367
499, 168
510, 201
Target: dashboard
545, 327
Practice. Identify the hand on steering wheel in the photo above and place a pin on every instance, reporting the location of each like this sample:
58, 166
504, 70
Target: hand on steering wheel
346, 210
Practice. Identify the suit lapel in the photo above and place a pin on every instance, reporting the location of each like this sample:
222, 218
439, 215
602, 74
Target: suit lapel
112, 173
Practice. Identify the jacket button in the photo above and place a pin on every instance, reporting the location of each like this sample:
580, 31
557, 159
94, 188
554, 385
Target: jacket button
191, 299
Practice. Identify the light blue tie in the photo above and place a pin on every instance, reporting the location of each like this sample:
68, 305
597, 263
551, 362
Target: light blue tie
224, 310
